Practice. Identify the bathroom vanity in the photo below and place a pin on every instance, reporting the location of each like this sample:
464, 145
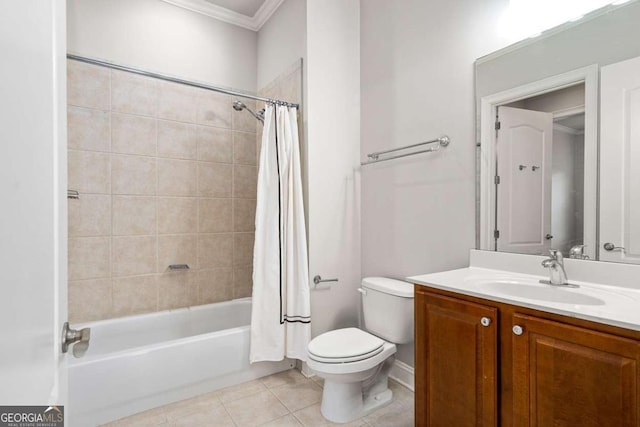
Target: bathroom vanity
495, 347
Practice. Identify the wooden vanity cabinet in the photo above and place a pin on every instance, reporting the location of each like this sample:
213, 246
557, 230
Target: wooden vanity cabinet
524, 368
455, 385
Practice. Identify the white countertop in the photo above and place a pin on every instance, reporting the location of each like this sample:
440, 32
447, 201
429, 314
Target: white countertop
611, 305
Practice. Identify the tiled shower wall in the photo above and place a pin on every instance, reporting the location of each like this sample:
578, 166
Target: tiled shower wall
287, 86
166, 175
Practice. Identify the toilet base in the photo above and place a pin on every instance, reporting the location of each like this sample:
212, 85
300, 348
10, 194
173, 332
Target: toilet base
342, 403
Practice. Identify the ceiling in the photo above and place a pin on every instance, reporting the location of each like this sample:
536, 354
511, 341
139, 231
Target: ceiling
244, 7
250, 14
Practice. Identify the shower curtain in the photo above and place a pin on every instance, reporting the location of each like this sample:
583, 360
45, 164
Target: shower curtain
280, 317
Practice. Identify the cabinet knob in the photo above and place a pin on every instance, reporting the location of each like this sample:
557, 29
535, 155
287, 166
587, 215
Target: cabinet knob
517, 329
485, 321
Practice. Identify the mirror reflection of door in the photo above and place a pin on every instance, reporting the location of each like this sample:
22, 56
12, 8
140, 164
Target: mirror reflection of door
523, 186
620, 162
540, 161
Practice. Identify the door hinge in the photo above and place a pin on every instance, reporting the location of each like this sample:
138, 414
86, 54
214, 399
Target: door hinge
496, 234
497, 125
496, 179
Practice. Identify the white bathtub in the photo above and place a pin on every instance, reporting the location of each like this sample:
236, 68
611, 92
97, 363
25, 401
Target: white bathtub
140, 362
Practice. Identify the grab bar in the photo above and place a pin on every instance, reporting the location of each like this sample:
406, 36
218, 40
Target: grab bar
443, 141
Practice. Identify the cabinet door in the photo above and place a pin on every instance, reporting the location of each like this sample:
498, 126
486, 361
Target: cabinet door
569, 376
456, 357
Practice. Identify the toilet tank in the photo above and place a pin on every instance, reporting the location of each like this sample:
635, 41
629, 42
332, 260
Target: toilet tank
387, 306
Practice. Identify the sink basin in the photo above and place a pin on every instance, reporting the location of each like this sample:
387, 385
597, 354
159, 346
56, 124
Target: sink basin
542, 292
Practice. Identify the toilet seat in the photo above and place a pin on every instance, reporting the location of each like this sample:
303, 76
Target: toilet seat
344, 346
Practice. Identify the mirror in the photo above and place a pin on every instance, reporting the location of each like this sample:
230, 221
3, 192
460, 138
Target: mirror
543, 143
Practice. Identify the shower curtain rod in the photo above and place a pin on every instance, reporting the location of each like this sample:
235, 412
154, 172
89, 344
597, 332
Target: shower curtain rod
177, 80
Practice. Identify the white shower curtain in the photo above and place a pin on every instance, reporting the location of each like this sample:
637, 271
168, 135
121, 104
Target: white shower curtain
280, 317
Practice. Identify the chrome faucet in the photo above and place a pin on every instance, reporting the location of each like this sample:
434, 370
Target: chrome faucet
577, 252
555, 264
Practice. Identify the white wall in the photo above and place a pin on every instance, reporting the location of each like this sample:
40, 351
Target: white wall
158, 36
333, 107
566, 189
282, 40
417, 83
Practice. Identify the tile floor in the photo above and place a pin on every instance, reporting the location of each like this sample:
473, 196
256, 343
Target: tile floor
286, 399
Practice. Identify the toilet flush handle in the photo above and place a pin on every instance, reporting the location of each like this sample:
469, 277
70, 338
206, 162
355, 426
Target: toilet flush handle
362, 291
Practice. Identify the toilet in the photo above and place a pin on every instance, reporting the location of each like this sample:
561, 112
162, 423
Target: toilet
355, 363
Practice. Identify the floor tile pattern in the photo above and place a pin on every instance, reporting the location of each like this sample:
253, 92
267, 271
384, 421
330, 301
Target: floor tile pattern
286, 399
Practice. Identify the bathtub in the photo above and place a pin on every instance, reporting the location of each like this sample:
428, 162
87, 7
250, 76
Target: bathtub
140, 362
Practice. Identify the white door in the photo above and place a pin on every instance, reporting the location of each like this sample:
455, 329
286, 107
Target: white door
620, 161
32, 186
523, 191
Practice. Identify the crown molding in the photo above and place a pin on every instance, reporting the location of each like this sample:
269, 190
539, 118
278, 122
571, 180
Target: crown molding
253, 23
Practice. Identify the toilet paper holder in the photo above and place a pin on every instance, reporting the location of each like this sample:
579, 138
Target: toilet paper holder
318, 279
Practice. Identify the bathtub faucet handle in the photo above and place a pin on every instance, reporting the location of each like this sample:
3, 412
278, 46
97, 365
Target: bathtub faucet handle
79, 339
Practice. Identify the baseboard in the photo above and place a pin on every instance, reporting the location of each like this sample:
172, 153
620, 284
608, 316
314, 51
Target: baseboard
403, 373
304, 369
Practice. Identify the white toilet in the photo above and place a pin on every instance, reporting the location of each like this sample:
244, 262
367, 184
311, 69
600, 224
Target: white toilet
354, 362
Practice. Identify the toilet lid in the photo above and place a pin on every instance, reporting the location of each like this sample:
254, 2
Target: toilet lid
344, 345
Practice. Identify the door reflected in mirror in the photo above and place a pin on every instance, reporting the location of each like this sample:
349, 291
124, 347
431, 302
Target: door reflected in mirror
540, 173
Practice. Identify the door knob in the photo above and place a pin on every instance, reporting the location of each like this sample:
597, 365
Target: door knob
548, 236
611, 247
485, 321
517, 330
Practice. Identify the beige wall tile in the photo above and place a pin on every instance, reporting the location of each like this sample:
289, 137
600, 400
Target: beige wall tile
214, 144
134, 94
178, 289
133, 134
243, 120
88, 85
258, 146
215, 250
177, 140
133, 175
244, 215
177, 215
88, 129
134, 255
291, 86
177, 177
242, 282
90, 300
176, 102
214, 179
215, 215
242, 249
214, 109
134, 295
215, 285
245, 180
244, 148
89, 172
177, 249
90, 215
134, 215
89, 258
